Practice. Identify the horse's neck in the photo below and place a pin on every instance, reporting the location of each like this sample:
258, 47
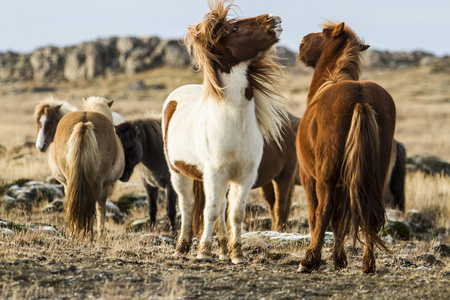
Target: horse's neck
235, 83
102, 109
151, 143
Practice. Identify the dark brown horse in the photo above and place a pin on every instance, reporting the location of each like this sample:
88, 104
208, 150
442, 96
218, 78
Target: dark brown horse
343, 146
142, 143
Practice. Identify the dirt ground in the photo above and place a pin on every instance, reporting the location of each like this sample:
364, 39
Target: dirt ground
42, 266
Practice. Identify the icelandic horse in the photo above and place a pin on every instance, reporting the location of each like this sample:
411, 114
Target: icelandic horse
343, 146
48, 113
87, 158
215, 132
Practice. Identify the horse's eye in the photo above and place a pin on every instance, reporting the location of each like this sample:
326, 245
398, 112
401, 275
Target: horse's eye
235, 28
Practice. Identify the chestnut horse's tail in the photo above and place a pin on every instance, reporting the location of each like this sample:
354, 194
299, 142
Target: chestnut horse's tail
82, 191
362, 177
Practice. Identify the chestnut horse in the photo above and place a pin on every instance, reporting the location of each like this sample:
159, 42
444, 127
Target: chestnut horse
48, 113
87, 158
215, 132
344, 146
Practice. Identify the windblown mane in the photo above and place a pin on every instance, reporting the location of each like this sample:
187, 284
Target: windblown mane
100, 105
150, 125
348, 65
51, 101
263, 72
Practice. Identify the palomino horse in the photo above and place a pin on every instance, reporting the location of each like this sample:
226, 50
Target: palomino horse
87, 158
215, 132
48, 113
343, 146
142, 143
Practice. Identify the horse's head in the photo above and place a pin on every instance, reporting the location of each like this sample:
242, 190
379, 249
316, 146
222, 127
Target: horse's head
219, 43
47, 118
128, 134
333, 39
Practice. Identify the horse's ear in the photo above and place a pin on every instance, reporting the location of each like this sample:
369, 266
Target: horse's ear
364, 47
84, 99
110, 103
339, 29
58, 107
137, 129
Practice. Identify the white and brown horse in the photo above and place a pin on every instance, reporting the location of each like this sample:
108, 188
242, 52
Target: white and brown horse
215, 132
48, 113
87, 158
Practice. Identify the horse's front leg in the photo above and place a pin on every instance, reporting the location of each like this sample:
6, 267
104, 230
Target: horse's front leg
237, 198
152, 199
221, 229
183, 186
215, 188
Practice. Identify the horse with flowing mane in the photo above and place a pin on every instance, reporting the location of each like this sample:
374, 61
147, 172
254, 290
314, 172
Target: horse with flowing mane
87, 158
215, 132
344, 146
47, 113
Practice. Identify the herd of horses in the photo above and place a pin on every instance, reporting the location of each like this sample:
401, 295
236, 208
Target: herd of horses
218, 140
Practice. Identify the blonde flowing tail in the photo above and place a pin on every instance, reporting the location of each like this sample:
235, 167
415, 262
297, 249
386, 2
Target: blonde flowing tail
362, 177
82, 190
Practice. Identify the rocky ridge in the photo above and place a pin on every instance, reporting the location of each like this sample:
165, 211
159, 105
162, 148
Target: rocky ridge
130, 55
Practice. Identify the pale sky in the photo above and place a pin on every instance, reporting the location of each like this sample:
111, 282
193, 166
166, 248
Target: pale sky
392, 25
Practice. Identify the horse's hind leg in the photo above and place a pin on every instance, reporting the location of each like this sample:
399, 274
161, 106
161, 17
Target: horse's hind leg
215, 189
312, 257
152, 198
101, 210
283, 192
183, 185
309, 186
339, 231
171, 203
368, 261
268, 193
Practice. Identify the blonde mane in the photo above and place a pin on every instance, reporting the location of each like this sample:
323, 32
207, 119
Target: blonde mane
264, 73
52, 101
100, 105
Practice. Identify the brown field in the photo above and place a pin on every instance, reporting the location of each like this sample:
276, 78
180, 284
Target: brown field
138, 265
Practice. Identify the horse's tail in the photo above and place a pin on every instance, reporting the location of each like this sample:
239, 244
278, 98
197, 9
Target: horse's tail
362, 178
82, 191
199, 206
397, 183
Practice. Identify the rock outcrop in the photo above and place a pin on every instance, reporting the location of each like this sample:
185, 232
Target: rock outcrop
129, 55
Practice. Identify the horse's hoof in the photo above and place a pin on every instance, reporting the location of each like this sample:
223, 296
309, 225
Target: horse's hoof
303, 269
238, 260
223, 257
204, 256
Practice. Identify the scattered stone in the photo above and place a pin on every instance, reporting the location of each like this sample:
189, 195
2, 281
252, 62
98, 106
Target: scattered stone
126, 202
137, 86
398, 229
138, 225
285, 238
418, 221
54, 206
33, 191
7, 231
442, 249
158, 239
427, 258
428, 164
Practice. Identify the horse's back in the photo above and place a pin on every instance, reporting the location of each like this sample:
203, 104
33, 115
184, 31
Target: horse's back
108, 144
